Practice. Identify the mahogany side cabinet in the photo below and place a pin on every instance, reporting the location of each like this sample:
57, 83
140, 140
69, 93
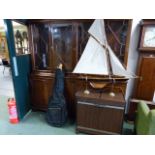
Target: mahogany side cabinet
99, 113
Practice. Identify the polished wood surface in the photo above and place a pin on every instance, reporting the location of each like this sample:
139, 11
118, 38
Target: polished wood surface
146, 82
99, 113
41, 90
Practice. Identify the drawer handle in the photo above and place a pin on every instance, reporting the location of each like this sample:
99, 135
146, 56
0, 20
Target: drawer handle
99, 106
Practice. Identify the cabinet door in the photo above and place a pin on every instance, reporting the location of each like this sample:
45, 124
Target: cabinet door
118, 36
146, 84
63, 46
99, 118
87, 116
41, 90
68, 41
41, 51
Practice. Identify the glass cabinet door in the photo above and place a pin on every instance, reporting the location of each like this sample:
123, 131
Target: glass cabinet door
40, 38
63, 46
117, 31
83, 36
55, 43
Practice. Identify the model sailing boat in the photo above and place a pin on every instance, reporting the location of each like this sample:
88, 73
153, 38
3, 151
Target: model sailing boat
98, 59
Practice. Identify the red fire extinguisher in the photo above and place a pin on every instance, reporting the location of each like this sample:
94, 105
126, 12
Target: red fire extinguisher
12, 111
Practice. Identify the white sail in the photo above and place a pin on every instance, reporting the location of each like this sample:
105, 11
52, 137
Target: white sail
93, 59
97, 30
117, 67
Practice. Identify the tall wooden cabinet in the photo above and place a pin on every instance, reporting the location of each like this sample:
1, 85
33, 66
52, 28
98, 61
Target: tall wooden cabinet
54, 41
145, 85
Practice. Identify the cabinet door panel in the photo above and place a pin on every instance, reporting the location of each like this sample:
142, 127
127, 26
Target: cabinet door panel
63, 47
41, 50
41, 90
146, 84
100, 118
87, 116
111, 119
71, 87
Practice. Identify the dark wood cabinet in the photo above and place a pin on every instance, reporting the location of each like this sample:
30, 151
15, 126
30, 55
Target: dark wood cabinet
146, 84
99, 113
54, 41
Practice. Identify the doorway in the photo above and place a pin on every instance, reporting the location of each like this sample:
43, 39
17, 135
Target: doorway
14, 50
6, 83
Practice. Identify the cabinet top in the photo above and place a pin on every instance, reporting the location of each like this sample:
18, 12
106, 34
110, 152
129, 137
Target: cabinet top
102, 98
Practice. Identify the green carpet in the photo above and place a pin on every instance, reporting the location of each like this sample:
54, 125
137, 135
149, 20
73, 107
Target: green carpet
128, 128
35, 124
3, 108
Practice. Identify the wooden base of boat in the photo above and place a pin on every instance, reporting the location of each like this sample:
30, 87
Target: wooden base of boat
97, 85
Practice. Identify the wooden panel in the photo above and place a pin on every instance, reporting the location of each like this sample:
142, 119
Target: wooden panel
146, 84
87, 116
41, 89
71, 87
69, 95
108, 120
102, 115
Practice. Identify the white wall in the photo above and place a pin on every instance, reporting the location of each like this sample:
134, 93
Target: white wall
132, 57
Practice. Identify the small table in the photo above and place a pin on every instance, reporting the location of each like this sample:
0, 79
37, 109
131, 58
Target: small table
99, 113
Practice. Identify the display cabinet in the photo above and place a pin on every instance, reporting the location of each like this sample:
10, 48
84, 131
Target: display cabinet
55, 41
